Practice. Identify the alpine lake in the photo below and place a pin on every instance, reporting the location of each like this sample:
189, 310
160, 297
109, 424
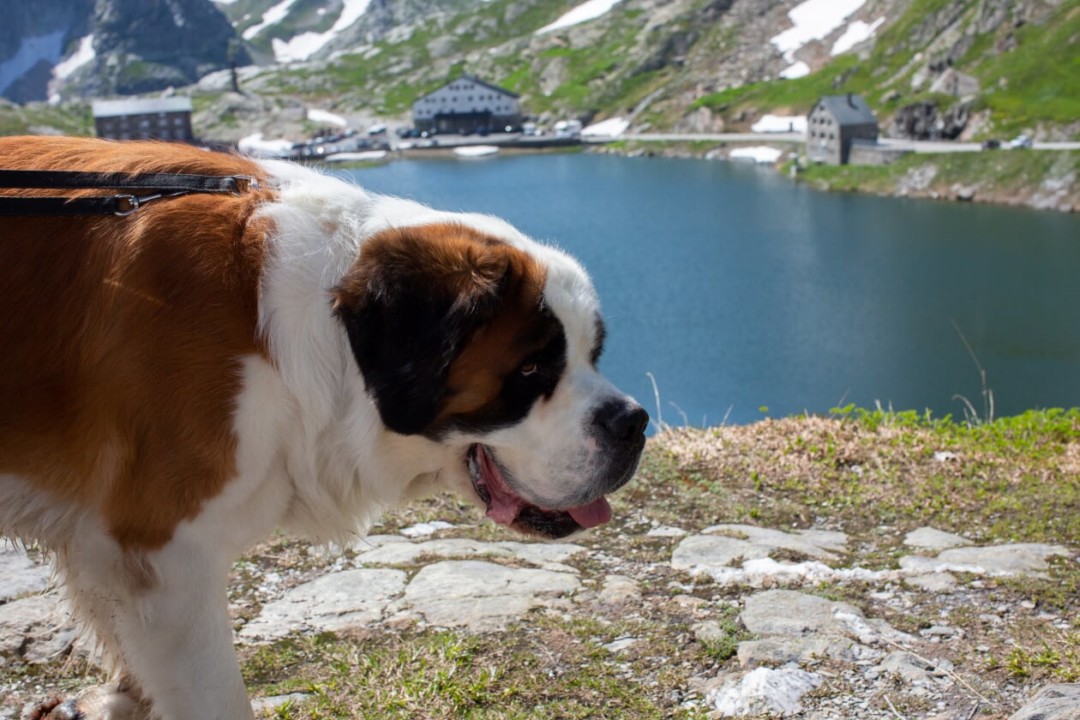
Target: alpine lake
732, 293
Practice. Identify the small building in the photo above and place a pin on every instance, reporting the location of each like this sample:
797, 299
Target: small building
144, 119
835, 124
465, 106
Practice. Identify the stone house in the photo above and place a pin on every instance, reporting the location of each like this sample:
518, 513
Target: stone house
144, 119
835, 124
467, 105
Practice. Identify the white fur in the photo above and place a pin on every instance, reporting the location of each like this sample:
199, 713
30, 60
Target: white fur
312, 453
346, 468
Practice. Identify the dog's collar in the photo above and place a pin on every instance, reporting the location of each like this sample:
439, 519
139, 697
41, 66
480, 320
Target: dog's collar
157, 185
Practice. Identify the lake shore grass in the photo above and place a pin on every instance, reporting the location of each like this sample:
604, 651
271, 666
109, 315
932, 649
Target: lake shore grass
1041, 179
1044, 179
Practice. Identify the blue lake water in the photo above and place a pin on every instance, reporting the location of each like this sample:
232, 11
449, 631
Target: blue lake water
739, 290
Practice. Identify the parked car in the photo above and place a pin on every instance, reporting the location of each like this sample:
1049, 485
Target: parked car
1020, 141
991, 144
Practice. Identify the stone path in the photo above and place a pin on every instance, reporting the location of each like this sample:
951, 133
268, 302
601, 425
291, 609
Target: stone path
803, 653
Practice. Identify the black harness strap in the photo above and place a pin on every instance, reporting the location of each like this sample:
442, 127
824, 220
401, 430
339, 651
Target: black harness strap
161, 184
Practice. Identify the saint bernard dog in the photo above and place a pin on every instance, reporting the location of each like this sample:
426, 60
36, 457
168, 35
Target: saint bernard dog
177, 383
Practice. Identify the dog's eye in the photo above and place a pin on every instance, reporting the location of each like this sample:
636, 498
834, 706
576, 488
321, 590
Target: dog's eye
529, 369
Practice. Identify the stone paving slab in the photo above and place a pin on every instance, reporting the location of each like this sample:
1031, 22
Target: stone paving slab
336, 602
38, 628
408, 553
481, 586
928, 538
1053, 702
19, 575
1018, 559
482, 596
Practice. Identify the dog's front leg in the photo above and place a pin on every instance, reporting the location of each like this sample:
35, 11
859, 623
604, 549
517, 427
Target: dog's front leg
176, 637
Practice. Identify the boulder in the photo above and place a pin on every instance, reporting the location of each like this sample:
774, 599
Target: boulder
1053, 702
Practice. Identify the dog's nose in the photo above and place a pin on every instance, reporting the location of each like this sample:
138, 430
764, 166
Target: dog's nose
622, 420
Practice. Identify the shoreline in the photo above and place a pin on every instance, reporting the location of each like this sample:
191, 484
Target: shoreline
1034, 179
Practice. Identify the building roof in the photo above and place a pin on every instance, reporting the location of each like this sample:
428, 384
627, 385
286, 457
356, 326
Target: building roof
849, 109
478, 81
488, 85
140, 106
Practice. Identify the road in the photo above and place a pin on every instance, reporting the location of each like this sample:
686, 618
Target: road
919, 146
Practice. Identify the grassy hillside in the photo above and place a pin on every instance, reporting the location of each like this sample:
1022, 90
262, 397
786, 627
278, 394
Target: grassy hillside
1036, 82
1040, 80
498, 45
39, 118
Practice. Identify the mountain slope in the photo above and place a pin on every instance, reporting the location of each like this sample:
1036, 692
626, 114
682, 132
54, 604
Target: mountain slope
101, 47
1024, 55
694, 65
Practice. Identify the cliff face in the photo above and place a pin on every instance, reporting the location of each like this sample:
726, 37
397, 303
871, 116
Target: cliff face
131, 46
143, 46
34, 36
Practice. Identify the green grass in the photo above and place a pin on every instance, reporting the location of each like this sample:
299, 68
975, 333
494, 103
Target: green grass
1036, 82
797, 96
554, 668
1004, 173
1012, 480
1039, 81
68, 119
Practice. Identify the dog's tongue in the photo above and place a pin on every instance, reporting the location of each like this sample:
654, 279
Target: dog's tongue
504, 505
595, 513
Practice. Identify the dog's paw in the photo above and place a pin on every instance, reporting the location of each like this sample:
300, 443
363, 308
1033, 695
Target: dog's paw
102, 702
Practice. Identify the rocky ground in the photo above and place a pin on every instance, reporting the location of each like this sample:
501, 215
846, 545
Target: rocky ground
878, 566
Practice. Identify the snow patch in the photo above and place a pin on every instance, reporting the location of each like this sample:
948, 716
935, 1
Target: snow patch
271, 17
82, 55
326, 118
298, 48
758, 154
813, 20
780, 124
795, 70
766, 572
612, 127
589, 10
856, 32
303, 46
31, 51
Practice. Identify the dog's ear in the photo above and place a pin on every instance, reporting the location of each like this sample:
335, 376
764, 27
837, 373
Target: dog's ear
408, 303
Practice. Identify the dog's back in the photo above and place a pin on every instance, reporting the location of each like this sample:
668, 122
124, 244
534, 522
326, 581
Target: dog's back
106, 325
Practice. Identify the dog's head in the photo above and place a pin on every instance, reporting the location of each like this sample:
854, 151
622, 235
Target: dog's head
477, 338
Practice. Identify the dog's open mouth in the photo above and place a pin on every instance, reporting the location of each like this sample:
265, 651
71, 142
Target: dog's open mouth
506, 507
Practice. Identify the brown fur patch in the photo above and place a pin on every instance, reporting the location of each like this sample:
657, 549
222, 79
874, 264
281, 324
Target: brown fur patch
484, 293
123, 338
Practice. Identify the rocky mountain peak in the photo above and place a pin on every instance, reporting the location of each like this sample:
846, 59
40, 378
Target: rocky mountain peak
105, 47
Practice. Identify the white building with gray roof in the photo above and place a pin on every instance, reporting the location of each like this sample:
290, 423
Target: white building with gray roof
467, 105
